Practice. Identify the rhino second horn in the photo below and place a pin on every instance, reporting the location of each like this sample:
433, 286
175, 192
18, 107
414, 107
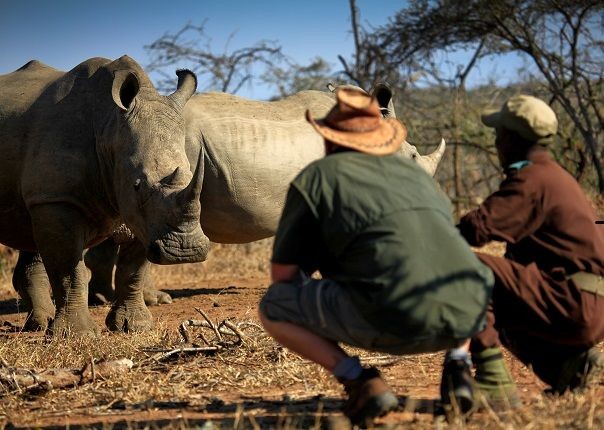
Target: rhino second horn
430, 162
187, 84
178, 177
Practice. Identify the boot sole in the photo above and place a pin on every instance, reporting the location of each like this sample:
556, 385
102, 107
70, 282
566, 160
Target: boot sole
375, 407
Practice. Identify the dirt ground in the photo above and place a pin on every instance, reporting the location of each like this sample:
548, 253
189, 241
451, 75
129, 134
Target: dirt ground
253, 385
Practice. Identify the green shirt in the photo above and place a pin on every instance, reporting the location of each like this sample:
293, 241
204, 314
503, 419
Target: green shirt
381, 227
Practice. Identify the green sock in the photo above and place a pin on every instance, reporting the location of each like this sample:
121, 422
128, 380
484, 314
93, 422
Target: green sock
492, 375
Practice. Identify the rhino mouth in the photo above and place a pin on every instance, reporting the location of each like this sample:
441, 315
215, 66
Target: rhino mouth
176, 248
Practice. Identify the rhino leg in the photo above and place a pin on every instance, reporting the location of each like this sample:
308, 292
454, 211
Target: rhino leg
100, 260
31, 282
60, 232
129, 312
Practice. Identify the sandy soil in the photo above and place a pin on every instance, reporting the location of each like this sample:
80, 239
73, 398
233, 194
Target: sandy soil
261, 386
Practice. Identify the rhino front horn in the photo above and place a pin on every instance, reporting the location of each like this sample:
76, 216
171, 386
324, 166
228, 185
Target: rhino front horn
187, 84
193, 190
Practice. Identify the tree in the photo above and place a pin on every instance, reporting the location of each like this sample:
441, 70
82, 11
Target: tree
559, 37
370, 64
295, 77
226, 71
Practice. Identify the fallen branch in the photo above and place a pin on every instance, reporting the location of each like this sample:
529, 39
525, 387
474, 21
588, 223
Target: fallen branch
222, 332
28, 379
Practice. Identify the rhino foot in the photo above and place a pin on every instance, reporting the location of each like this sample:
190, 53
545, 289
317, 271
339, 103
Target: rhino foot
154, 297
74, 323
129, 316
39, 319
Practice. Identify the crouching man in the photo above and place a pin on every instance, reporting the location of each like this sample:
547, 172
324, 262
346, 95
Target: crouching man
548, 299
397, 277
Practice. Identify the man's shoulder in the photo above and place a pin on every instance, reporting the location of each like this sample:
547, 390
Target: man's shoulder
331, 164
352, 167
544, 171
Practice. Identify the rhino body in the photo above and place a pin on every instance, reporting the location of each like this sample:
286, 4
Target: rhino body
82, 152
251, 151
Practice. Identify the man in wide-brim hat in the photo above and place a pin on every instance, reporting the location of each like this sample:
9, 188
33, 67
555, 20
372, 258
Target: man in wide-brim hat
396, 275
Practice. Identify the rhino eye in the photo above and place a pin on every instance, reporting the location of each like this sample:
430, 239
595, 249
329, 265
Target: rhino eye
137, 184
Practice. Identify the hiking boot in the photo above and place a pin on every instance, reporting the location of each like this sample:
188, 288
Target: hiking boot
493, 381
580, 372
369, 397
456, 386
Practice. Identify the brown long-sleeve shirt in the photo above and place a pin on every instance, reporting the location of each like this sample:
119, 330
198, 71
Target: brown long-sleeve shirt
543, 215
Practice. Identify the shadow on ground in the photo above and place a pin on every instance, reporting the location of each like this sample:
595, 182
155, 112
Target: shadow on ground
10, 306
252, 412
188, 292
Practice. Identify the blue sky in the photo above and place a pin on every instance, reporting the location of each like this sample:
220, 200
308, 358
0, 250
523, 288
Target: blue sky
62, 33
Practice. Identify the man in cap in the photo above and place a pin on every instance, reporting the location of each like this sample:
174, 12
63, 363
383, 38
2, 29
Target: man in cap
397, 276
548, 300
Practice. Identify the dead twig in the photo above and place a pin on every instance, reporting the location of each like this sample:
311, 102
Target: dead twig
222, 332
46, 379
211, 324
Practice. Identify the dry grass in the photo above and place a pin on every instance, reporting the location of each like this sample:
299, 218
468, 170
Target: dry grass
255, 385
251, 380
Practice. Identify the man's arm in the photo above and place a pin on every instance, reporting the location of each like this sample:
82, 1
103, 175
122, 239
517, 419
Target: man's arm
510, 214
297, 241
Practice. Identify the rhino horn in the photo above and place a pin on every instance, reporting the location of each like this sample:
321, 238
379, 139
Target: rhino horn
178, 177
193, 190
430, 162
187, 84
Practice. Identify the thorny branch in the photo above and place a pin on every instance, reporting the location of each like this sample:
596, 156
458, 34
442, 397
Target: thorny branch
222, 332
227, 71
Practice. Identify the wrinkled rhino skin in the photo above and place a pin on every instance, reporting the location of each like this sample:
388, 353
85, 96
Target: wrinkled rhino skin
83, 151
252, 150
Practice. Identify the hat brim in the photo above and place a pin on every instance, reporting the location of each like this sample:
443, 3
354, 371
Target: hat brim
384, 140
491, 118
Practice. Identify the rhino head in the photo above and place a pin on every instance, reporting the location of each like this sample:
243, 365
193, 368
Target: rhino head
141, 145
429, 163
383, 94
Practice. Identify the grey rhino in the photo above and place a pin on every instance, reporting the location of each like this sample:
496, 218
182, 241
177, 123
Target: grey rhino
251, 150
82, 152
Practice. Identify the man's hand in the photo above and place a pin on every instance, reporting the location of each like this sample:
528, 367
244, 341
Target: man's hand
284, 272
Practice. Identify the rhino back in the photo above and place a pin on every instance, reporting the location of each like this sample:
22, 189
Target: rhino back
46, 139
252, 151
21, 88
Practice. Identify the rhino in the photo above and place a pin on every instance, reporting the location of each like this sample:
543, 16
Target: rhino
82, 152
251, 150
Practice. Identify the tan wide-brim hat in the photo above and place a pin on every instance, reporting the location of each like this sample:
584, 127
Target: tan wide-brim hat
528, 116
356, 122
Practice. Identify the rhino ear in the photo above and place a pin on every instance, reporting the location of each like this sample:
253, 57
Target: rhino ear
125, 88
383, 93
